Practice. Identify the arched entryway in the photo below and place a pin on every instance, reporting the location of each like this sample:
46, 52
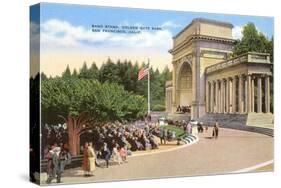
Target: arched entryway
184, 85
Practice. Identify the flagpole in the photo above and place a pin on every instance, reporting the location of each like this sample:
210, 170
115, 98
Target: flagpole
148, 90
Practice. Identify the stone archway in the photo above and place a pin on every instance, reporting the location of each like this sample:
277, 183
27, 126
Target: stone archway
184, 84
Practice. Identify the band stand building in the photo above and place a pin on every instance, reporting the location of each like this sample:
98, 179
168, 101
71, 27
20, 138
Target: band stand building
207, 80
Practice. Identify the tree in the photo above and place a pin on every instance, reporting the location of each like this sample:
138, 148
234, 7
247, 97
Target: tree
270, 47
67, 72
94, 71
75, 74
253, 41
166, 74
109, 72
84, 73
89, 73
82, 103
43, 76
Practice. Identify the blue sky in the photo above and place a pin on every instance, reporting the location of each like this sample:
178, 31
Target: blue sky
87, 15
66, 37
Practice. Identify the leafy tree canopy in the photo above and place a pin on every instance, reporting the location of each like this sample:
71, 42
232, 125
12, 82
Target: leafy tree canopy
125, 73
253, 41
104, 102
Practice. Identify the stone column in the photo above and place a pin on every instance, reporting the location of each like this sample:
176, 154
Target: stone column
222, 96
246, 95
171, 103
234, 95
240, 94
174, 89
227, 95
167, 101
267, 94
171, 95
217, 96
207, 94
259, 102
249, 93
253, 94
212, 97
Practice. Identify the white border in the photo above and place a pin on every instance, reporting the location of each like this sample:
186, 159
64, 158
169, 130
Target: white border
14, 74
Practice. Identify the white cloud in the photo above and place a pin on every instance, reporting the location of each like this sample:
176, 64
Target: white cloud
237, 32
34, 37
126, 23
34, 28
170, 24
62, 34
64, 44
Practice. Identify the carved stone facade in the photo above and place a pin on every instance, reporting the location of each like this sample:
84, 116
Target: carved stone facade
208, 81
242, 85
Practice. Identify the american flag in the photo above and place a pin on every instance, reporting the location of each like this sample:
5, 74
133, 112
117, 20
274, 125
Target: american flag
143, 72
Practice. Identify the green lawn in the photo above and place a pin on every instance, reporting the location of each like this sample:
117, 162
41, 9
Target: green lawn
179, 131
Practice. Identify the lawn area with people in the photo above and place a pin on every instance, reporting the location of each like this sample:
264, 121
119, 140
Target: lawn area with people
179, 131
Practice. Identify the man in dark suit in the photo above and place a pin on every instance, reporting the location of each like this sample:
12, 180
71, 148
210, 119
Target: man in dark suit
105, 153
56, 170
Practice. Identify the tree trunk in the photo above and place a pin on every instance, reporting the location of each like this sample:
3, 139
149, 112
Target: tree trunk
74, 126
72, 136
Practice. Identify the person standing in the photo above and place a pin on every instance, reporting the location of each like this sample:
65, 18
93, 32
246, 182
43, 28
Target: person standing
123, 153
105, 152
56, 172
165, 135
161, 135
173, 135
216, 130
206, 128
85, 164
116, 155
64, 157
198, 128
189, 128
91, 159
48, 156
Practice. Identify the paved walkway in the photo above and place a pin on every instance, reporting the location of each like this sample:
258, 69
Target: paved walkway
232, 151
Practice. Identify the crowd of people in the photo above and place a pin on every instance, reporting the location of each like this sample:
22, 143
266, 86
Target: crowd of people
130, 137
57, 157
112, 141
55, 151
184, 109
201, 127
116, 141
52, 135
165, 134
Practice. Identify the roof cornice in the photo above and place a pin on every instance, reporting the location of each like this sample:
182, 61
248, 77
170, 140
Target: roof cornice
192, 38
204, 20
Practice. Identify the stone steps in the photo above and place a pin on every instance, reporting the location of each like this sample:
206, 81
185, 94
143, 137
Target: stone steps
179, 117
234, 121
224, 119
189, 139
259, 119
261, 130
